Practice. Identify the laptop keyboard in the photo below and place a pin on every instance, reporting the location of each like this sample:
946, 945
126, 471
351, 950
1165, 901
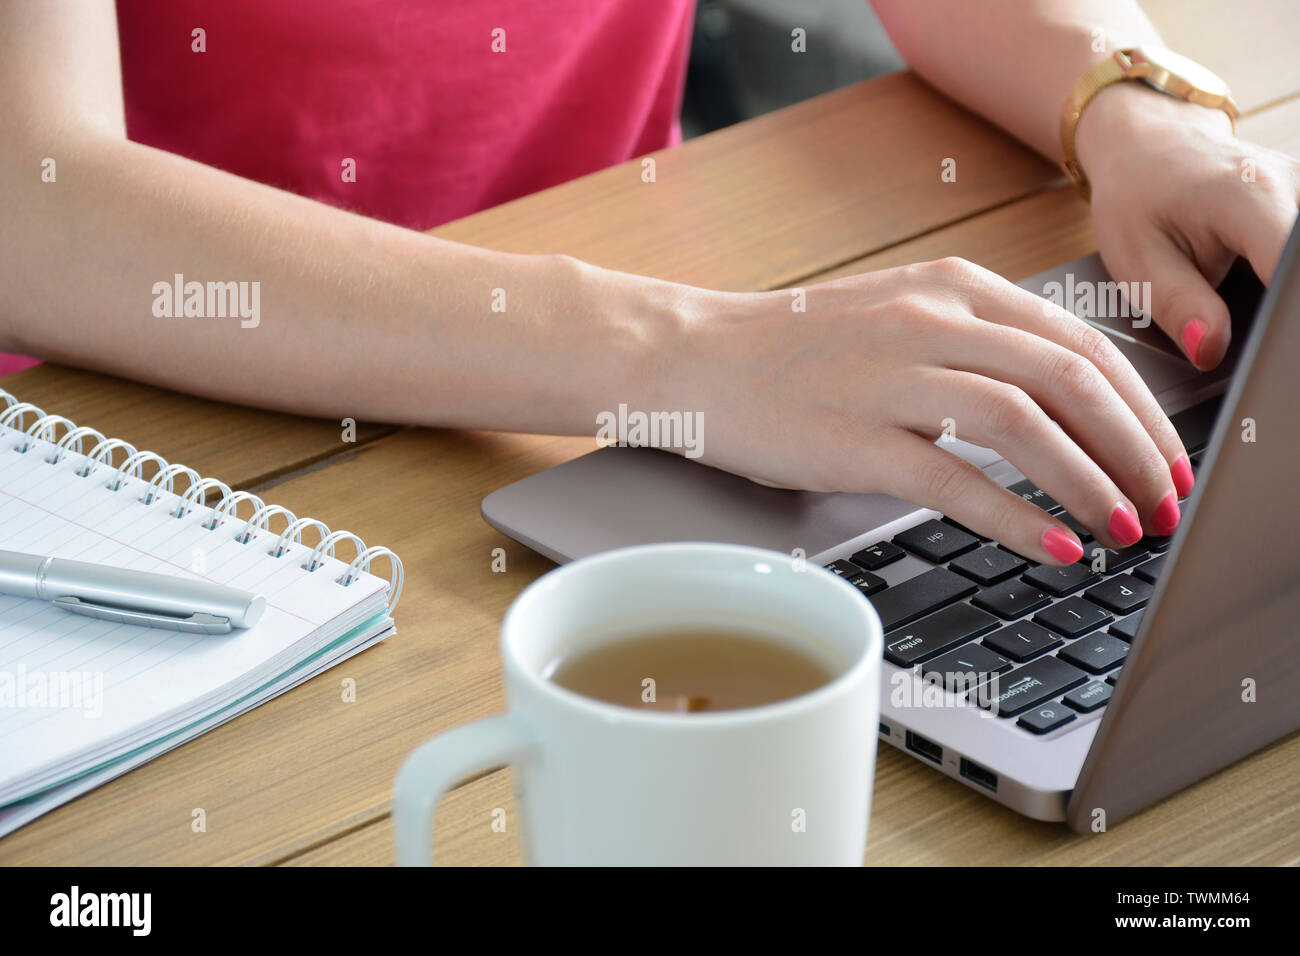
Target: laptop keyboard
1054, 638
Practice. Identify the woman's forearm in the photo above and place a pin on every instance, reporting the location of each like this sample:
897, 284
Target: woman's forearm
1013, 61
355, 317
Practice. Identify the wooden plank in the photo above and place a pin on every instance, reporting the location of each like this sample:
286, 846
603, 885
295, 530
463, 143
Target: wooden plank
464, 835
1250, 43
920, 818
1026, 237
241, 446
792, 192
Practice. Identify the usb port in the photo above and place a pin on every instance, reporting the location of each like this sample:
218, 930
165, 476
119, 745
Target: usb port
985, 778
926, 748
884, 728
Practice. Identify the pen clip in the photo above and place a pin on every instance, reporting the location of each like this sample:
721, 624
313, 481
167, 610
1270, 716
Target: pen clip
197, 623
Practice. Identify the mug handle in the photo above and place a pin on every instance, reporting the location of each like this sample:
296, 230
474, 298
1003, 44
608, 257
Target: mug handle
438, 765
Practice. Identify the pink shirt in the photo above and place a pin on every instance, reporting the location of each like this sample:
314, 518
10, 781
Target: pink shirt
412, 111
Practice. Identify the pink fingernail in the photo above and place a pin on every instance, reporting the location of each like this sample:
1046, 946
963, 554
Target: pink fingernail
1062, 545
1193, 333
1184, 481
1167, 515
1124, 525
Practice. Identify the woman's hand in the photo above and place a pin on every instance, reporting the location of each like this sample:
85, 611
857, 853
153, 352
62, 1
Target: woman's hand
850, 394
1175, 197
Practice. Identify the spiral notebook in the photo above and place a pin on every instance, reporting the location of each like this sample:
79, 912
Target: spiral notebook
84, 700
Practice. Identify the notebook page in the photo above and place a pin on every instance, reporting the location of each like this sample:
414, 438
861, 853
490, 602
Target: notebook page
72, 685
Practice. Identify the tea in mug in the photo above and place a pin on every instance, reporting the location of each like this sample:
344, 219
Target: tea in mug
692, 670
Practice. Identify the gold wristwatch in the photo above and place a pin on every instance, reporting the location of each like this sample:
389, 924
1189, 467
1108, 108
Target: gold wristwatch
1162, 69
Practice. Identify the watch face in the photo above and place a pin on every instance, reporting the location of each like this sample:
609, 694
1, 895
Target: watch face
1188, 70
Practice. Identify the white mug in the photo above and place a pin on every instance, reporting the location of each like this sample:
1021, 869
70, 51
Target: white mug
787, 783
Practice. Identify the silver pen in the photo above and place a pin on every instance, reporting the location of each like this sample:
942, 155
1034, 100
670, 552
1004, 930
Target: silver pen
129, 597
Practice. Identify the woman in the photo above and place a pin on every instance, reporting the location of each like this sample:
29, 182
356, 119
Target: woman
409, 114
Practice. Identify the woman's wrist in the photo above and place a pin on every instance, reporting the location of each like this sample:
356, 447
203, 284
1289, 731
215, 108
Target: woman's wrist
1128, 119
630, 339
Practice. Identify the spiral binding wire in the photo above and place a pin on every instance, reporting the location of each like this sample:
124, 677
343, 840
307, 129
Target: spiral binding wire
294, 533
168, 474
261, 520
362, 563
18, 411
196, 493
228, 507
74, 437
103, 452
45, 427
134, 466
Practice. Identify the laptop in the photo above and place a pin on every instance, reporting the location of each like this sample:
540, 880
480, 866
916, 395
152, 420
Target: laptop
1081, 694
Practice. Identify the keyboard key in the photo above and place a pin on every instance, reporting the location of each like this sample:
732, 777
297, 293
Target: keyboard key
1059, 582
1127, 629
875, 556
1046, 718
1034, 495
935, 634
1195, 424
966, 667
1022, 641
936, 541
1032, 564
1096, 653
845, 569
864, 582
869, 583
1113, 560
1113, 678
1156, 545
961, 527
1122, 594
989, 565
1030, 685
918, 596
1010, 599
1089, 697
1072, 617
1075, 525
1151, 570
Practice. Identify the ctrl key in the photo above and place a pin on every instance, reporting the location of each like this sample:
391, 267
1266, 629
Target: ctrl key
1046, 718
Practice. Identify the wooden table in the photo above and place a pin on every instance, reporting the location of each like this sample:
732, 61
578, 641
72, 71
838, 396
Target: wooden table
842, 183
